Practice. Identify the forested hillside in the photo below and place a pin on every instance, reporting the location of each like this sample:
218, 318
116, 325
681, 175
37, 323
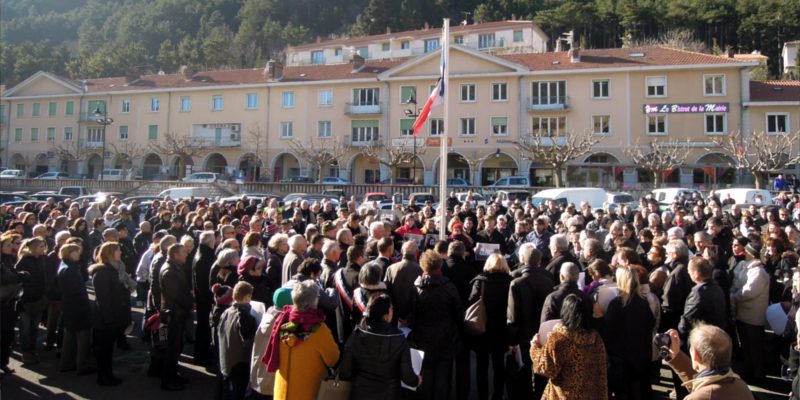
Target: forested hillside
91, 38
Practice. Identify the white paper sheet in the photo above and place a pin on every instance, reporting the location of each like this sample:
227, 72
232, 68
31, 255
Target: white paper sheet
545, 328
417, 356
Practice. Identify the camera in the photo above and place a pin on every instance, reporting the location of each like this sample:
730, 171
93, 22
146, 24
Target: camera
663, 342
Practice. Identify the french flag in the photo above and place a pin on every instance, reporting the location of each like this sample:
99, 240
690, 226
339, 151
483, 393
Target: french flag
436, 98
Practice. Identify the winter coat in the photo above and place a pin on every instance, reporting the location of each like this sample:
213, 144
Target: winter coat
399, 280
554, 266
274, 270
303, 365
495, 298
376, 359
290, 264
176, 292
574, 363
437, 319
676, 290
712, 387
526, 297
752, 297
237, 327
112, 302
554, 300
261, 291
460, 272
262, 381
35, 284
201, 270
51, 265
628, 336
76, 309
706, 302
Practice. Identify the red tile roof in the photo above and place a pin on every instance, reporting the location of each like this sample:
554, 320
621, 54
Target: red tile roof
437, 32
616, 58
774, 90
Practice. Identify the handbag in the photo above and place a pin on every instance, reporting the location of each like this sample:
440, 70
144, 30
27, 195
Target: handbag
332, 388
475, 317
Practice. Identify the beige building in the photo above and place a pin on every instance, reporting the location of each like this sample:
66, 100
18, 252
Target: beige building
241, 122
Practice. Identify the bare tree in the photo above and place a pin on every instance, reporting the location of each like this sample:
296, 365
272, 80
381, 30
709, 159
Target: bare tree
320, 152
657, 157
392, 156
257, 141
128, 153
185, 147
74, 151
759, 153
556, 151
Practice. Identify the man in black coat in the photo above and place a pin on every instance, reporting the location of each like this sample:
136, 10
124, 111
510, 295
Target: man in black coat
201, 269
492, 235
569, 285
176, 302
400, 278
526, 297
706, 301
559, 248
460, 273
678, 286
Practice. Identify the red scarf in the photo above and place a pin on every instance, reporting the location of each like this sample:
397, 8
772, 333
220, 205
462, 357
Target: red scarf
306, 320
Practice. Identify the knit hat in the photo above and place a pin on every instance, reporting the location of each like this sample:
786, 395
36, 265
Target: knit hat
754, 249
282, 297
247, 264
223, 294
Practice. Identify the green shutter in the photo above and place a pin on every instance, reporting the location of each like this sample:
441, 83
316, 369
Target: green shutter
51, 109
34, 134
35, 112
499, 121
51, 134
406, 124
406, 92
70, 108
361, 123
152, 132
18, 135
20, 110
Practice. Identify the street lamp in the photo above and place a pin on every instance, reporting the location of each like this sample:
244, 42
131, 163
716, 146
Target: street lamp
413, 113
101, 117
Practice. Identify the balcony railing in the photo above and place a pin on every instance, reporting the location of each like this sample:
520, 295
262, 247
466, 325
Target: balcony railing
212, 141
362, 109
90, 144
548, 103
357, 142
88, 117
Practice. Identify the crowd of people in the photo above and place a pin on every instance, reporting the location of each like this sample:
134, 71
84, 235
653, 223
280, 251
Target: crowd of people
560, 301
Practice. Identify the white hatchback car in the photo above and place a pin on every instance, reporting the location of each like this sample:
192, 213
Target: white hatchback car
202, 177
12, 174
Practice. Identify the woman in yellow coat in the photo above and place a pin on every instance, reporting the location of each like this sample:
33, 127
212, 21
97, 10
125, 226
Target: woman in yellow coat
301, 348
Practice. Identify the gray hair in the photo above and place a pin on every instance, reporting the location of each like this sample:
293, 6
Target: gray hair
525, 253
305, 295
593, 246
409, 249
207, 238
62, 236
560, 242
712, 345
187, 239
678, 247
328, 247
375, 225
569, 272
167, 241
226, 256
296, 241
675, 232
456, 248
277, 240
225, 228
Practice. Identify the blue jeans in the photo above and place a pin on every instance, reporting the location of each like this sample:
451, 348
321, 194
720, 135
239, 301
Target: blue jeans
29, 330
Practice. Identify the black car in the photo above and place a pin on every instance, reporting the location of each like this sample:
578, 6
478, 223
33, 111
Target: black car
297, 179
6, 197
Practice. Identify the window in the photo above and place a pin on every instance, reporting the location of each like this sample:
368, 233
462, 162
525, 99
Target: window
468, 93
152, 132
123, 132
317, 57
406, 93
51, 109
325, 97
288, 100
252, 101
67, 133
18, 135
186, 104
714, 85
407, 127
51, 134
366, 97
70, 108
656, 124
777, 123
549, 126
216, 102
549, 93
517, 36
458, 39
656, 86
500, 126
94, 135
716, 124
601, 124
385, 46
20, 110
499, 92
431, 45
287, 130
467, 126
363, 51
337, 52
437, 126
600, 89
35, 112
324, 128
486, 41
155, 104
34, 135
365, 131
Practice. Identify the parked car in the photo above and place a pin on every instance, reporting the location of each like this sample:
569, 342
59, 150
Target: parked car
293, 196
746, 195
477, 198
319, 198
112, 174
184, 193
375, 196
45, 196
512, 181
507, 197
202, 177
420, 198
666, 196
6, 197
457, 182
12, 174
594, 196
53, 175
333, 180
619, 198
75, 191
338, 193
297, 179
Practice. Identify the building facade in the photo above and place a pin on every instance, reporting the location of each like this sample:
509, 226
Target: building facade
241, 122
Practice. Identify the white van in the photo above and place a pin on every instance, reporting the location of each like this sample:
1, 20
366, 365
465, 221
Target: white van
746, 195
184, 193
111, 174
666, 196
594, 196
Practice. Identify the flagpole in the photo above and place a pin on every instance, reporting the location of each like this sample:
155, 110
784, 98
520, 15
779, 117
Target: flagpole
445, 129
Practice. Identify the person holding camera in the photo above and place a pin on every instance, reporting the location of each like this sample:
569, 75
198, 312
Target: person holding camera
706, 371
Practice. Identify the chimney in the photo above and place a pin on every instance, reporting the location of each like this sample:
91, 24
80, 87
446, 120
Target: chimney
319, 39
274, 70
575, 55
131, 75
513, 17
187, 72
731, 52
426, 26
388, 30
358, 62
